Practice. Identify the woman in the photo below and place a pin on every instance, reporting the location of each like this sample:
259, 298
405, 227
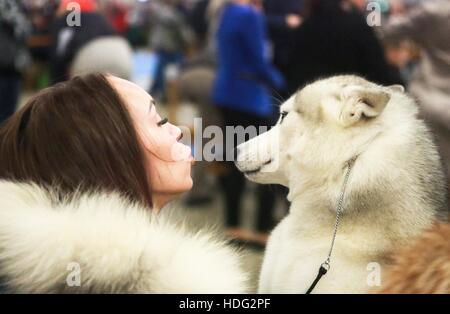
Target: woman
242, 94
85, 168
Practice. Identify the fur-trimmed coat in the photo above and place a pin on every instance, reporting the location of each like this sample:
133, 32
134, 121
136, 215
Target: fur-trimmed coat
102, 243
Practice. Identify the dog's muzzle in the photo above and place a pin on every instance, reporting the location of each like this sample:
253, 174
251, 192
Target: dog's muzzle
249, 172
256, 155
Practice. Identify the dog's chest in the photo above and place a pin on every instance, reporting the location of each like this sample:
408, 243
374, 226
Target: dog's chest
292, 262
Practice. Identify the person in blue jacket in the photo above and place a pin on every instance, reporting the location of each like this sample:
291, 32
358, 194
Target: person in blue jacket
242, 89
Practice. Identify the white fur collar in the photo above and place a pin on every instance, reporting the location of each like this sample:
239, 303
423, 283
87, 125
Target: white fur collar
119, 247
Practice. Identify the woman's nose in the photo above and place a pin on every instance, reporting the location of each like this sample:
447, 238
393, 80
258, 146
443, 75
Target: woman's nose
176, 132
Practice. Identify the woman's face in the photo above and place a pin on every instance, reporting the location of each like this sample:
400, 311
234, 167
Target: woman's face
168, 161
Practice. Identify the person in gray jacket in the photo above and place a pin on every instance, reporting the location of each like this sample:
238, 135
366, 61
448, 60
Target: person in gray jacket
428, 25
169, 38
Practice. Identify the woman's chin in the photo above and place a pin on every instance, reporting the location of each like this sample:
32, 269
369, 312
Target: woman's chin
189, 185
180, 188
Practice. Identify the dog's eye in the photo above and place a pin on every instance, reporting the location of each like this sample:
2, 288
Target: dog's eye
283, 115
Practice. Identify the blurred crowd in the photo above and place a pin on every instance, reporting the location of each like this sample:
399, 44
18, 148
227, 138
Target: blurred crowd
233, 60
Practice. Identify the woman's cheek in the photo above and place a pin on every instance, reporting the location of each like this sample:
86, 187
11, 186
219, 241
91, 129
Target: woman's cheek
166, 147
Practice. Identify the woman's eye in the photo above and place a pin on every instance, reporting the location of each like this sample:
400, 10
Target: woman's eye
162, 122
283, 115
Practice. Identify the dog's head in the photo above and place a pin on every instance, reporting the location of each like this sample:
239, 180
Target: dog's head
323, 126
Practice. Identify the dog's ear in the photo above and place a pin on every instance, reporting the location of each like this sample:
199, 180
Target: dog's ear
362, 103
396, 88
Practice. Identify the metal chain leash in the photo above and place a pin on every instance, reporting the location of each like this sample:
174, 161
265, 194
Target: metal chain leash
326, 265
339, 208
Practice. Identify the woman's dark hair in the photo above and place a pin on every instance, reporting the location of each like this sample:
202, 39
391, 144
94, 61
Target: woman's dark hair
76, 136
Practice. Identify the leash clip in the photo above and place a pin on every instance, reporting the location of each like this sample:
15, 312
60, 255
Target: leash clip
325, 267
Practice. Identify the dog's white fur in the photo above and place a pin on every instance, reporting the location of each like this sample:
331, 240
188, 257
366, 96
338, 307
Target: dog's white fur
119, 246
394, 191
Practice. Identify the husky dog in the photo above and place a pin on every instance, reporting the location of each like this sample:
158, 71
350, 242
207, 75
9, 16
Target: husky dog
393, 192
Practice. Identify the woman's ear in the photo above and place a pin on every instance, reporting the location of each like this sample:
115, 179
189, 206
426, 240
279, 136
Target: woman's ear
361, 103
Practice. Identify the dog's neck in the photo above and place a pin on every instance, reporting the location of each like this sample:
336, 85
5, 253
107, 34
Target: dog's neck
315, 207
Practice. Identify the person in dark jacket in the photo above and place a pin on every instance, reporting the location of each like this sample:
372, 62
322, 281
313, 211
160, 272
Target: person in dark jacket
68, 40
197, 19
242, 94
283, 17
427, 25
14, 29
335, 39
